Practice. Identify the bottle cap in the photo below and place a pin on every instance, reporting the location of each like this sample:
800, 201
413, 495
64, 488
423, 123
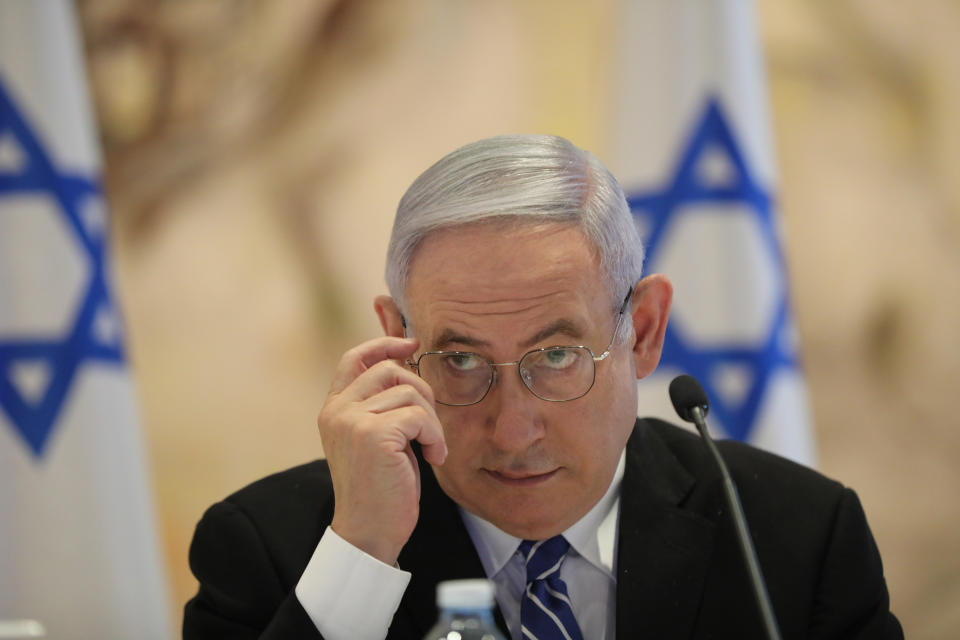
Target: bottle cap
465, 594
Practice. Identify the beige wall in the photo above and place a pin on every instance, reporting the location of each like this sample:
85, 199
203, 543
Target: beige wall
255, 153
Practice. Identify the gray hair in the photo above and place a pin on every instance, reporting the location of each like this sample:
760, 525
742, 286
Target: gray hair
519, 178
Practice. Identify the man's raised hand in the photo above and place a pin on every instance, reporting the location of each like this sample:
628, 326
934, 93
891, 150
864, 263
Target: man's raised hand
376, 407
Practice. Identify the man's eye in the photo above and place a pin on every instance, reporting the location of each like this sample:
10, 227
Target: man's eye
464, 361
559, 358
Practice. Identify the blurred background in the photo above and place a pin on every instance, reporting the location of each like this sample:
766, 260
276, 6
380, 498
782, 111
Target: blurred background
255, 152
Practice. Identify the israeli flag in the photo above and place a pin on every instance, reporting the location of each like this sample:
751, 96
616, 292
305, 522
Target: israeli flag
79, 555
692, 148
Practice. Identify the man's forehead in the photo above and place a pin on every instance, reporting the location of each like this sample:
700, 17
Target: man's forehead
507, 286
441, 337
507, 257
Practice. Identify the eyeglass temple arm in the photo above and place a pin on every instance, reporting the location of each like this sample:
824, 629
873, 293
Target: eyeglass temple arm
616, 329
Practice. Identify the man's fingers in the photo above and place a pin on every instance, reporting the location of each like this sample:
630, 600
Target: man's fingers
362, 357
400, 395
406, 408
383, 376
436, 453
388, 348
417, 423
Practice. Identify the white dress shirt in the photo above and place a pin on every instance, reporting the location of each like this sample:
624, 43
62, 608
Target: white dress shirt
341, 582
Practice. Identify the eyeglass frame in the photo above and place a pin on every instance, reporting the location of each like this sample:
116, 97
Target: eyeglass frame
493, 376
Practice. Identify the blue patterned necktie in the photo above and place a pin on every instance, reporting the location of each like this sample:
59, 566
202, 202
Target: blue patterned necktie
545, 612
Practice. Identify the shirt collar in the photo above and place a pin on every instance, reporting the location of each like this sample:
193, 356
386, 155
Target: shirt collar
593, 536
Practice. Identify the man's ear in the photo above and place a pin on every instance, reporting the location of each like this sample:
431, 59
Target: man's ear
389, 314
649, 307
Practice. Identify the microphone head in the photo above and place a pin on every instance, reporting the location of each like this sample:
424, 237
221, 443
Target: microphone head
685, 394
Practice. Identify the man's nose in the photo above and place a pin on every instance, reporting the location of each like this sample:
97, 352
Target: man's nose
515, 420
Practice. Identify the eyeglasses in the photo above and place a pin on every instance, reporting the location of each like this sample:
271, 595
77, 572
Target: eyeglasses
554, 374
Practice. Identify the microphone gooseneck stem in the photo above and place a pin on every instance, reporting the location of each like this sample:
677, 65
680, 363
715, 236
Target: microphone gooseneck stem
743, 534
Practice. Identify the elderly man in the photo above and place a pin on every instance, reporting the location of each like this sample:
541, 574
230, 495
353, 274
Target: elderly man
494, 425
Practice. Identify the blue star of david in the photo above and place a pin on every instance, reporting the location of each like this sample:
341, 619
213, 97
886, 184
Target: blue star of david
34, 420
661, 208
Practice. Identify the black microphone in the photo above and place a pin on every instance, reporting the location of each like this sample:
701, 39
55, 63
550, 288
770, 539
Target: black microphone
690, 401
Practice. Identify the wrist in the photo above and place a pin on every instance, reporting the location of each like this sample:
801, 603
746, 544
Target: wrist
369, 542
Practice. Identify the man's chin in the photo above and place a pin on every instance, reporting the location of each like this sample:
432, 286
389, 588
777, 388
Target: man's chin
530, 505
528, 519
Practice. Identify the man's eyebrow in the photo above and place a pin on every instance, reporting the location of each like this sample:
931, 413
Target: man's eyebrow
448, 336
557, 327
562, 326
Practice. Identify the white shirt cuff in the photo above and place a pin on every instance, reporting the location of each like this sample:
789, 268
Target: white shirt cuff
348, 593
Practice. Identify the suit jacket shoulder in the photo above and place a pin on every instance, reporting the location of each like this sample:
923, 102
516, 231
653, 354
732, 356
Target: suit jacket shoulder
248, 552
679, 557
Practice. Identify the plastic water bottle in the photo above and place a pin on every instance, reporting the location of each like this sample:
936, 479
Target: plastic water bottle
466, 612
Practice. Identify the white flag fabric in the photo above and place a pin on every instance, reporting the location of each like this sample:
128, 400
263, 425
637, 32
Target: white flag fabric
692, 148
78, 545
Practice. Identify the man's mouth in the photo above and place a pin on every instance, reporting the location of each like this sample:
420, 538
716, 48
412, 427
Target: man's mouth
520, 478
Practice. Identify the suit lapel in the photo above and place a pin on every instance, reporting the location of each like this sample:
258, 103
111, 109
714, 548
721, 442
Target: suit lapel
439, 549
663, 551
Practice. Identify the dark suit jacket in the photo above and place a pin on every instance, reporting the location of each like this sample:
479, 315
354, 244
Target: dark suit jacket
680, 573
